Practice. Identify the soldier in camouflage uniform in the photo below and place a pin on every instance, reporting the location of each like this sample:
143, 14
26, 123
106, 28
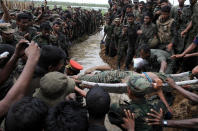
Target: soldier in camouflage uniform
132, 38
147, 32
166, 30
60, 38
122, 45
116, 32
115, 37
45, 38
107, 33
192, 28
182, 16
137, 88
7, 35
24, 21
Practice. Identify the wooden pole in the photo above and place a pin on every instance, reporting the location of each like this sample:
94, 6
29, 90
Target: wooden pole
121, 87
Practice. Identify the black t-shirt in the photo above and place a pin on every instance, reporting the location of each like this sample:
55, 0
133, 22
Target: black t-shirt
97, 128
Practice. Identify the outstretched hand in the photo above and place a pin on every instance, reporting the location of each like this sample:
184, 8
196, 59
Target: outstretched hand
20, 50
129, 121
157, 118
170, 82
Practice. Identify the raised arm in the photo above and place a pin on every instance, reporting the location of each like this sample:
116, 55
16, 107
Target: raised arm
189, 95
6, 15
7, 70
157, 119
19, 88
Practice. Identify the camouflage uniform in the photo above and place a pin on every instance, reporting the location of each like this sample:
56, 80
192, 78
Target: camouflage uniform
132, 37
108, 29
116, 35
166, 32
162, 55
181, 23
45, 41
115, 76
32, 33
12, 42
148, 33
122, 48
194, 31
139, 86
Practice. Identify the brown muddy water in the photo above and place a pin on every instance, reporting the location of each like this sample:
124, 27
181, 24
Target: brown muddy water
87, 52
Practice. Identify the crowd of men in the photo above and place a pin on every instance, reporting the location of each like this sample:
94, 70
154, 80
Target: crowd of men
46, 26
41, 89
155, 31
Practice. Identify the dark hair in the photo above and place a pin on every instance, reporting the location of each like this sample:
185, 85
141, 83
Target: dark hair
4, 48
24, 16
28, 114
56, 23
129, 6
50, 55
67, 116
142, 2
130, 15
145, 48
98, 102
45, 26
149, 14
162, 1
166, 9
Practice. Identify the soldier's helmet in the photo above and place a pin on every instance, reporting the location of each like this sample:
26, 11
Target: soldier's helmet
139, 85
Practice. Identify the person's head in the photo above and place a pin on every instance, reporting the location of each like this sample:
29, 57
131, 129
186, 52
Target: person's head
163, 3
28, 114
148, 16
67, 116
181, 2
52, 58
23, 20
54, 87
6, 48
138, 86
73, 68
149, 6
45, 29
192, 2
6, 31
117, 21
98, 103
114, 7
136, 2
145, 51
108, 21
130, 18
141, 5
165, 12
129, 9
56, 26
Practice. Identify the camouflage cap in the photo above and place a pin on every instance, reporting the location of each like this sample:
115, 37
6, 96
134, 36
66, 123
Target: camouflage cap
54, 87
139, 85
6, 28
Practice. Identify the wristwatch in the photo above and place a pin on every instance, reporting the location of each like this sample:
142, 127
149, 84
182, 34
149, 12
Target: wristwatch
165, 123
